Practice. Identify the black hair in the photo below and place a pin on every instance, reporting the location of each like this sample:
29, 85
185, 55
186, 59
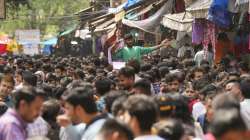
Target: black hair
127, 72
143, 85
171, 77
3, 108
111, 97
135, 64
144, 109
244, 66
83, 96
225, 101
111, 126
51, 110
28, 94
245, 88
29, 78
103, 86
128, 36
117, 106
170, 129
226, 120
163, 71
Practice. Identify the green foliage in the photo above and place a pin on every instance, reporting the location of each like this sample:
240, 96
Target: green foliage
50, 16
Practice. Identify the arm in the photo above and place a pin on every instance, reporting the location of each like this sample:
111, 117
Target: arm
164, 43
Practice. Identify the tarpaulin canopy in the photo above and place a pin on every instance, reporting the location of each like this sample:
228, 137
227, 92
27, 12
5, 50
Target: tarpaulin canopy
150, 24
51, 41
180, 22
199, 9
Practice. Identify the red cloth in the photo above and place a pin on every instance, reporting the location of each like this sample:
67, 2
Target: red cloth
191, 104
3, 49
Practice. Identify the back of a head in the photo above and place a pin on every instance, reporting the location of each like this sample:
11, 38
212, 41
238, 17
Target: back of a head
227, 120
29, 78
103, 86
144, 86
225, 101
170, 129
51, 110
144, 109
112, 126
83, 96
135, 64
245, 88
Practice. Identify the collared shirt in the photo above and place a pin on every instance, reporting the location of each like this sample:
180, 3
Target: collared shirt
12, 126
38, 128
149, 137
245, 111
94, 127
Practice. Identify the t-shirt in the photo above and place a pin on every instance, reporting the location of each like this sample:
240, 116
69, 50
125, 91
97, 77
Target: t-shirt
135, 52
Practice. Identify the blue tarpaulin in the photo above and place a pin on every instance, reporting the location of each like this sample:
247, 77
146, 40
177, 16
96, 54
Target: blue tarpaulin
131, 3
48, 45
51, 41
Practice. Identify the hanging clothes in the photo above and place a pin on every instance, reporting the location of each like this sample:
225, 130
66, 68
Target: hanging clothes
179, 6
198, 31
219, 14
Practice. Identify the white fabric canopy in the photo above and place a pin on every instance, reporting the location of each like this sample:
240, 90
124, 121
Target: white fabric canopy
150, 24
199, 9
180, 22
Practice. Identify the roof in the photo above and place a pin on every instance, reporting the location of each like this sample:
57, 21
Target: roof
180, 22
199, 9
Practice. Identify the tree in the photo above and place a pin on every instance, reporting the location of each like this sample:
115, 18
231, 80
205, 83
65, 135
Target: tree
50, 16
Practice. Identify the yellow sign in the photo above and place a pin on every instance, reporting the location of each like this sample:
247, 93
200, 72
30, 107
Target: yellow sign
119, 16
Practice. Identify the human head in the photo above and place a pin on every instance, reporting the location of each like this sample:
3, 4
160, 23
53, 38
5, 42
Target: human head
126, 77
50, 110
173, 83
233, 87
245, 88
7, 84
166, 106
103, 86
114, 130
142, 86
28, 102
197, 73
228, 124
59, 70
29, 79
129, 40
80, 103
169, 129
140, 113
189, 91
243, 67
134, 64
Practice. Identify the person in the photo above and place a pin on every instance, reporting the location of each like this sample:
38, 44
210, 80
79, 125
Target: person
142, 86
185, 48
141, 113
135, 52
197, 73
233, 87
7, 84
173, 83
244, 105
27, 107
201, 55
114, 130
126, 78
227, 124
80, 107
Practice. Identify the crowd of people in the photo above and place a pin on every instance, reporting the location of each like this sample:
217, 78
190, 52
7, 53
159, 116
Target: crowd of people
181, 96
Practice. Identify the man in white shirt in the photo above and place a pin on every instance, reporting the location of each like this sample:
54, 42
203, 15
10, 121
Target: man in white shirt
141, 114
245, 104
184, 49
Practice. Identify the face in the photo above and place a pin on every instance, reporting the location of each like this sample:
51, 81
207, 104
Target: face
234, 90
198, 75
6, 88
173, 86
129, 42
58, 72
30, 111
131, 121
125, 83
190, 93
71, 112
18, 78
209, 109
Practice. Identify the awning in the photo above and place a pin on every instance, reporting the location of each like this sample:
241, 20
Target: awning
51, 41
70, 30
179, 22
150, 24
199, 9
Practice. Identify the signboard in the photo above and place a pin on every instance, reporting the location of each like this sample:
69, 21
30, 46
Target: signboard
30, 40
2, 9
28, 36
